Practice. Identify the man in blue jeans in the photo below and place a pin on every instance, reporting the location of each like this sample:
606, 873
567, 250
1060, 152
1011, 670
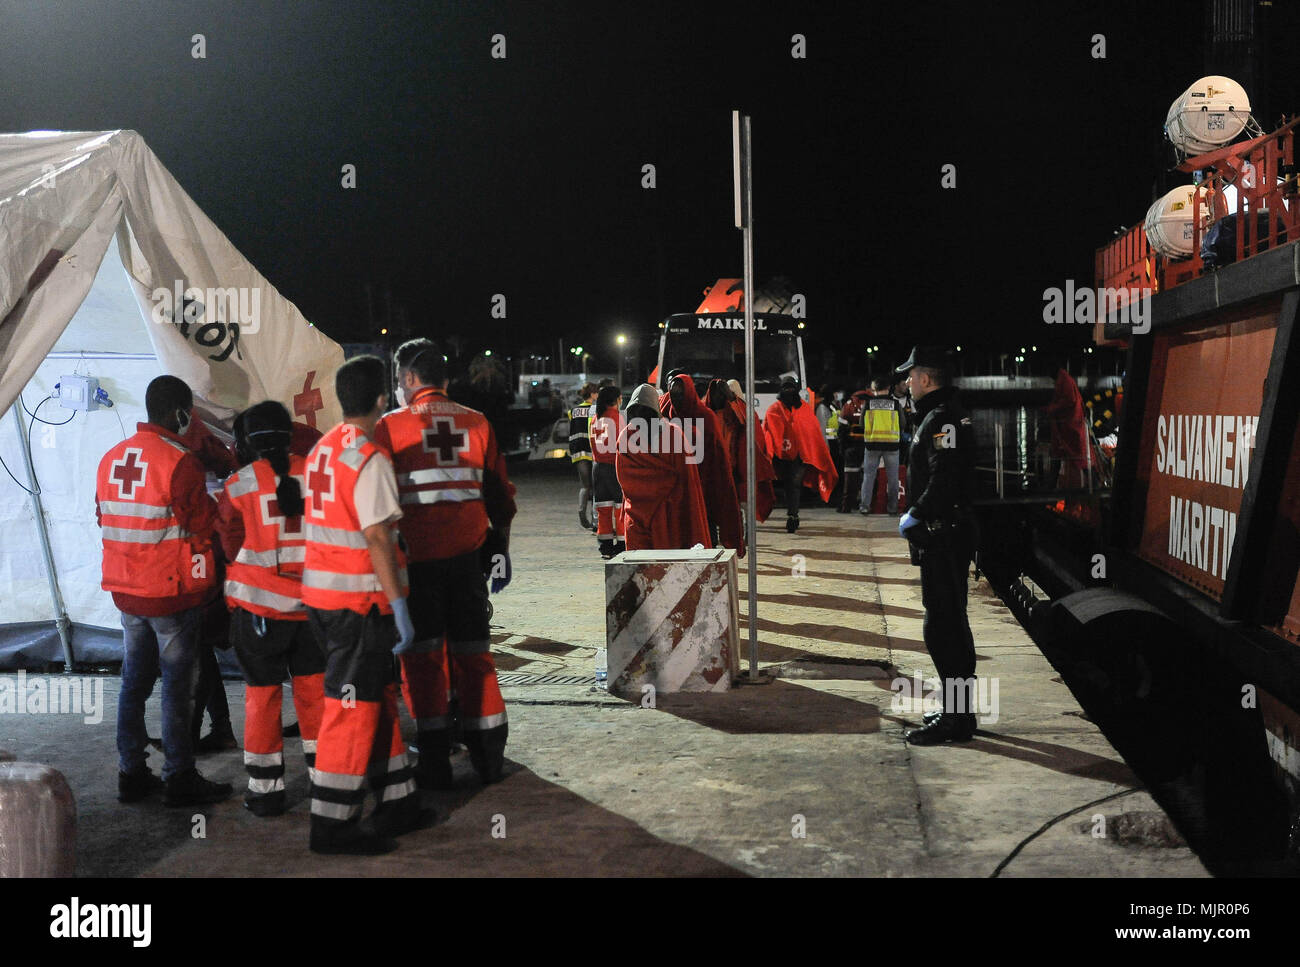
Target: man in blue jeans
881, 433
157, 523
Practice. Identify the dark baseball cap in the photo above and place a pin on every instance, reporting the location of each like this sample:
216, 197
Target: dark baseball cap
930, 357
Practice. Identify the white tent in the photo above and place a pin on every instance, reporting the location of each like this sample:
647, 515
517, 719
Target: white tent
97, 239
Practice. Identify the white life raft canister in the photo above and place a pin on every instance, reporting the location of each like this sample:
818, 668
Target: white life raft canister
1168, 223
1208, 115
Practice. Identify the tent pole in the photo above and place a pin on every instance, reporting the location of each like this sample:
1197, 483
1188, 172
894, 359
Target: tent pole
60, 612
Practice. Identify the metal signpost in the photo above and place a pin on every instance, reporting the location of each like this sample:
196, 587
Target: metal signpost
742, 170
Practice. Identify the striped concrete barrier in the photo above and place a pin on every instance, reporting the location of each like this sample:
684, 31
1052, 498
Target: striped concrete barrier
671, 621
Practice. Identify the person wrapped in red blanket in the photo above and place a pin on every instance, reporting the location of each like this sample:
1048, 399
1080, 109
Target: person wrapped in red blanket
728, 402
799, 450
663, 503
703, 429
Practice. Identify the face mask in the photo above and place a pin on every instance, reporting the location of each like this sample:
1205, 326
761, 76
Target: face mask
182, 422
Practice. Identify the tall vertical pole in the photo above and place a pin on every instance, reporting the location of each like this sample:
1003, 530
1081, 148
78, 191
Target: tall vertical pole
742, 156
61, 621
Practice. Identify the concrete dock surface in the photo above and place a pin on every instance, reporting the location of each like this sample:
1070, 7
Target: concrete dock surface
807, 775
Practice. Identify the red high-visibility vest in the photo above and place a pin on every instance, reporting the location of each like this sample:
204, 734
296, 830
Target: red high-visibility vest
266, 576
440, 450
147, 553
337, 573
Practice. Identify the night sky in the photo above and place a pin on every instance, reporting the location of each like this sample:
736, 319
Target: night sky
523, 176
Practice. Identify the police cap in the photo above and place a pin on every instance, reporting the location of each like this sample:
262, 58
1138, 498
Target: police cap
929, 357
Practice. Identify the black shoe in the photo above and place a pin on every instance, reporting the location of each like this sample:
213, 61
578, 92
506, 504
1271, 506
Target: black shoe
403, 818
607, 549
218, 740
292, 730
134, 786
619, 548
350, 840
432, 772
266, 804
842, 510
191, 789
947, 728
791, 524
490, 767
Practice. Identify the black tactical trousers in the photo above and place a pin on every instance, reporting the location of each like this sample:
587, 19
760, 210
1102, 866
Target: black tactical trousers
946, 630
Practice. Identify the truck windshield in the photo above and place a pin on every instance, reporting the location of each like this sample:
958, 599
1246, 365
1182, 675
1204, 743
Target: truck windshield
720, 353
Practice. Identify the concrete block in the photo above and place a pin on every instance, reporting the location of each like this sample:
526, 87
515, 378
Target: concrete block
671, 621
38, 822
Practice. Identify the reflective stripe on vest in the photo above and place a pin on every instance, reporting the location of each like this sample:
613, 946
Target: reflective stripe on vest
265, 576
139, 535
246, 594
880, 421
337, 571
124, 508
286, 555
433, 484
440, 452
147, 553
334, 536
335, 581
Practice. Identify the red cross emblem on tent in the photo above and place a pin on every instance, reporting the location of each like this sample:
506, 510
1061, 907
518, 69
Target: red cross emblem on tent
306, 403
320, 482
445, 442
288, 527
127, 473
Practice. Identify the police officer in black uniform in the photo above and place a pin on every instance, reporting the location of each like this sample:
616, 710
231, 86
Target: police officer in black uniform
940, 531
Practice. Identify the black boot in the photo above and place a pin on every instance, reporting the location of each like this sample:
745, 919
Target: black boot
433, 768
487, 753
347, 839
403, 816
134, 786
266, 804
792, 524
220, 739
191, 789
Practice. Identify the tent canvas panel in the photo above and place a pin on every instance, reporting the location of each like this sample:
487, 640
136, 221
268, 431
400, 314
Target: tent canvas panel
94, 231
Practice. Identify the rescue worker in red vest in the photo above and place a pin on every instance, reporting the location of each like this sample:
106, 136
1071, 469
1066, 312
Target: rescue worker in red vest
457, 505
851, 446
606, 425
354, 587
262, 534
157, 520
580, 420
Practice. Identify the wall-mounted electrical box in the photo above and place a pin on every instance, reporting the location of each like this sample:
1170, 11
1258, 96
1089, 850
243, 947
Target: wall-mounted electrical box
78, 392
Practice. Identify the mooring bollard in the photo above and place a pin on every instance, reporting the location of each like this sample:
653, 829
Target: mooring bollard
671, 621
38, 821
